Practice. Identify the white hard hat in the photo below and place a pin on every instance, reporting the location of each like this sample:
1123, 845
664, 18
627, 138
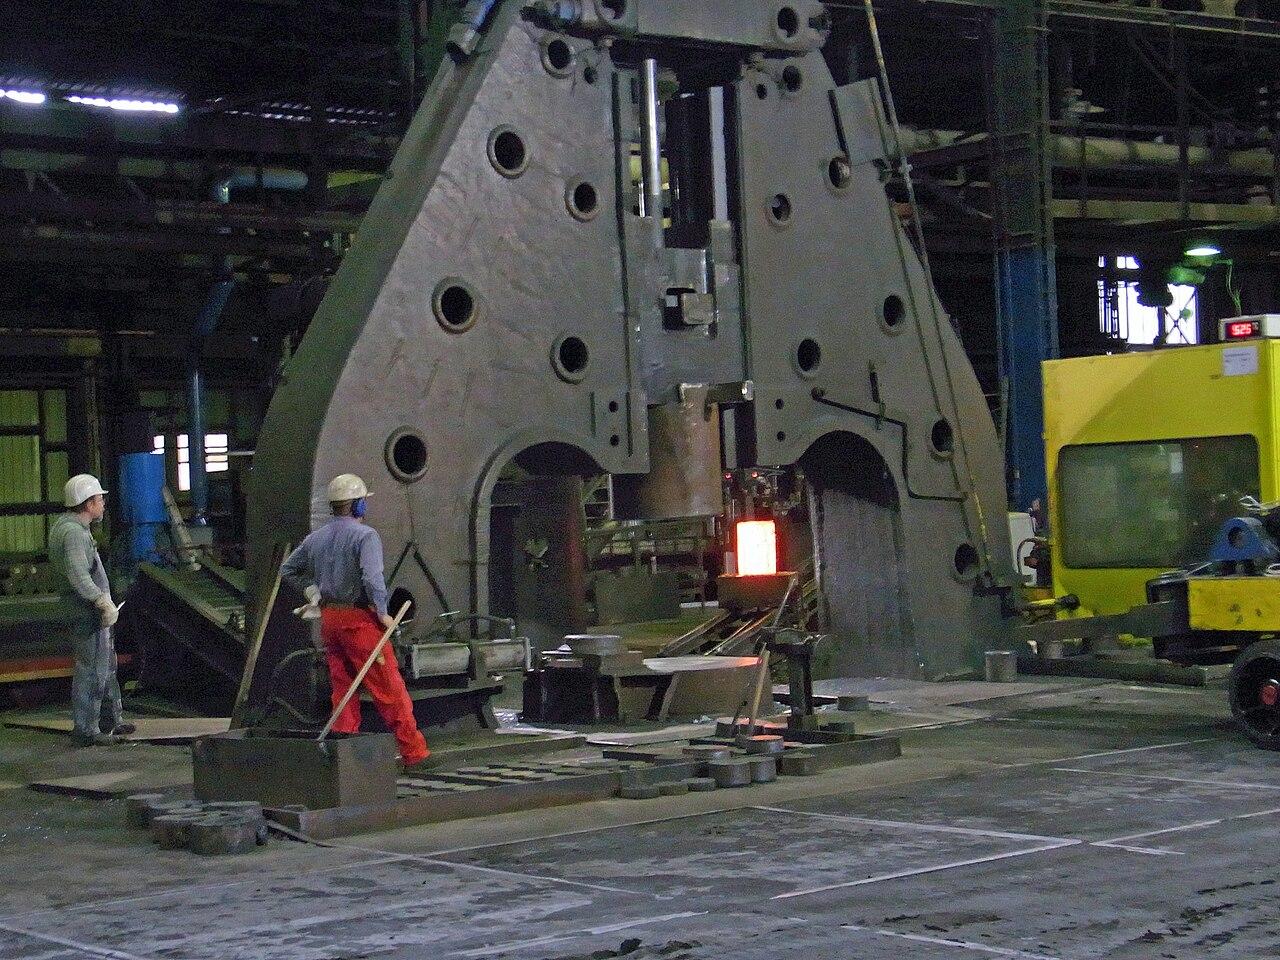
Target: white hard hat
347, 487
80, 488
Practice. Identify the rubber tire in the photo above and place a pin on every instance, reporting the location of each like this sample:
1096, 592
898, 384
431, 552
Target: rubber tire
1268, 649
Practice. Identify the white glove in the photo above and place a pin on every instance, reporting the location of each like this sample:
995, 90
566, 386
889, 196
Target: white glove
311, 609
108, 610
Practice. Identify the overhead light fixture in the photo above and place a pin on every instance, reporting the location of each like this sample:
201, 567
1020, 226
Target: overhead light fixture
32, 98
126, 106
1203, 250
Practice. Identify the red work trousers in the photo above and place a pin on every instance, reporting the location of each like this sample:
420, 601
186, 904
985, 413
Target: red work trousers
349, 635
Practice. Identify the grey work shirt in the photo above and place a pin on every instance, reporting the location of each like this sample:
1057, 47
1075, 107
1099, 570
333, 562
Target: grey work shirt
344, 559
73, 555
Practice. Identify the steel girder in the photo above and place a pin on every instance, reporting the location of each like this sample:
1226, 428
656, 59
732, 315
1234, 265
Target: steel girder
507, 291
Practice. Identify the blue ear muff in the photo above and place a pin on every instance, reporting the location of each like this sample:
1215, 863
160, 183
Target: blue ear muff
359, 507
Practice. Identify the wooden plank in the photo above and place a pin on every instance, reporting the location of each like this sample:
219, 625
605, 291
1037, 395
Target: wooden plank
255, 646
40, 668
711, 693
174, 730
114, 783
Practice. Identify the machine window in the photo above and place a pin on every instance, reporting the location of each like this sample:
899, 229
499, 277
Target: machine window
1155, 504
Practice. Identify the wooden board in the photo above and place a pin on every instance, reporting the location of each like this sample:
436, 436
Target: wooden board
696, 693
173, 730
114, 783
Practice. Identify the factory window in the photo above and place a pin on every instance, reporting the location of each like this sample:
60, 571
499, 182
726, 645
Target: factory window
215, 455
34, 464
1121, 317
1151, 505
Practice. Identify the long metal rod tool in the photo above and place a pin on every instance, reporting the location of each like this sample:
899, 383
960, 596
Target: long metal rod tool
368, 665
762, 675
903, 164
255, 646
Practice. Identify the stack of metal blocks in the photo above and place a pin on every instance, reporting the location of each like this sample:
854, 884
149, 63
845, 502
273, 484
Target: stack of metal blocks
219, 827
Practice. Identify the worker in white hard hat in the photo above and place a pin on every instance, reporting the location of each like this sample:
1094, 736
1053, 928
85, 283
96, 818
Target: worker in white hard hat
339, 569
86, 598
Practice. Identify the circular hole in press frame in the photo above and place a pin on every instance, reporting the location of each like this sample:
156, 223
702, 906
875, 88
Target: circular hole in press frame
570, 357
406, 455
508, 152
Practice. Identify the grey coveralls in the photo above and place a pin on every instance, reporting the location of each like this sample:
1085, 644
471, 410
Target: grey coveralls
81, 580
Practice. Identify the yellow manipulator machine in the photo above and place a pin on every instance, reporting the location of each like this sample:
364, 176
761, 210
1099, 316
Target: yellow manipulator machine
1165, 507
1150, 453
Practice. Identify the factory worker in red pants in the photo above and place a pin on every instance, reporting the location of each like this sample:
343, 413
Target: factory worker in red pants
339, 569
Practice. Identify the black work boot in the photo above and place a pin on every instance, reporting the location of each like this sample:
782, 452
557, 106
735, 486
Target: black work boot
423, 765
123, 729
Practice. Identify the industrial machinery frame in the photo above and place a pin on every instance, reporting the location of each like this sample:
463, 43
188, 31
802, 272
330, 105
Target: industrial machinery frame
650, 239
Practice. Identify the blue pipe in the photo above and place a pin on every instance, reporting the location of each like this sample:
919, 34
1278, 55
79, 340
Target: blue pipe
1028, 335
207, 320
141, 503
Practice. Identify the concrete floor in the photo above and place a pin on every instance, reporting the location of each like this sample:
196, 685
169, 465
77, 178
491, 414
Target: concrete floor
1114, 821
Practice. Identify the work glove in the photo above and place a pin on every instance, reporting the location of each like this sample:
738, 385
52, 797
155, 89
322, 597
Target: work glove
311, 609
107, 609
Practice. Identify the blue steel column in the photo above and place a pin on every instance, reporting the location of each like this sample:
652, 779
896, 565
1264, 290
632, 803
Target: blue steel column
1025, 272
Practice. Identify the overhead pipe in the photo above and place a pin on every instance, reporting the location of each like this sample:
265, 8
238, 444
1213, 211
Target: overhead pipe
207, 321
292, 180
1105, 153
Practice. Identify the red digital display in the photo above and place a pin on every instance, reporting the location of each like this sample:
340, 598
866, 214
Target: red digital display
1241, 329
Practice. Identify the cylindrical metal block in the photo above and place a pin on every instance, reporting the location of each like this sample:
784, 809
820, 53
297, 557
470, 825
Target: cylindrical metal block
138, 808
221, 833
1050, 649
684, 477
731, 773
700, 784
764, 769
595, 644
674, 789
761, 743
727, 728
172, 831
163, 807
249, 808
847, 703
1001, 666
